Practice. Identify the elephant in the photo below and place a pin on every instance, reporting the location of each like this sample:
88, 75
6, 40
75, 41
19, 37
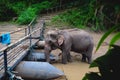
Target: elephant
67, 40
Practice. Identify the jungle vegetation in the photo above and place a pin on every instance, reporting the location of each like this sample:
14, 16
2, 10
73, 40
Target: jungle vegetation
97, 15
22, 10
108, 65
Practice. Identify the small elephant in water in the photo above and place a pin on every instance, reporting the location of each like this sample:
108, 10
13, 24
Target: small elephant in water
68, 40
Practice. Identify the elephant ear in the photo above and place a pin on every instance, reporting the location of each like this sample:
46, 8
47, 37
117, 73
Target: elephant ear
60, 40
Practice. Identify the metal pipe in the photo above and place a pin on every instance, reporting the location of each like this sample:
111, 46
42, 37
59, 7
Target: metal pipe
17, 31
42, 30
29, 32
5, 62
37, 70
25, 31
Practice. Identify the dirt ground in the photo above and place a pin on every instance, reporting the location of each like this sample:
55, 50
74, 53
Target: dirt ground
76, 69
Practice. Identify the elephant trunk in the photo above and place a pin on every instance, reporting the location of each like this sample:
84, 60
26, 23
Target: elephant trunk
47, 51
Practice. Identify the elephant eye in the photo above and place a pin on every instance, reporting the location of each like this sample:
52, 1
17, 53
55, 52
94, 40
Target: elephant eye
53, 36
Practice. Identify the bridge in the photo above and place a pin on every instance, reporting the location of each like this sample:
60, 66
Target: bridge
12, 54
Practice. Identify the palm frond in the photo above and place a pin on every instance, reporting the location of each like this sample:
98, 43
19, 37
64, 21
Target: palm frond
105, 36
114, 39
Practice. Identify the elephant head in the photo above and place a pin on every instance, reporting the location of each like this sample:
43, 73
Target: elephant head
68, 40
53, 40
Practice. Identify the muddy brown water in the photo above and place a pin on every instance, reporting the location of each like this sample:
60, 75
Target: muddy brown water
76, 69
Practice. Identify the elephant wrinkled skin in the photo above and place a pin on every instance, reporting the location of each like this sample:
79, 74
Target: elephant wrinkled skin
68, 40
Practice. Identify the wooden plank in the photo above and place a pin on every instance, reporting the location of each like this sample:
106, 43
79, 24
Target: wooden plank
18, 58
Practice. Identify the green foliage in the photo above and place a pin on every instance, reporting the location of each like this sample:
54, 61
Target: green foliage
18, 7
108, 64
56, 18
92, 76
114, 39
5, 12
71, 16
98, 15
26, 16
77, 17
25, 10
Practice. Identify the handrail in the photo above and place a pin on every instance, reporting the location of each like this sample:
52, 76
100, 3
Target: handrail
32, 21
18, 42
13, 44
17, 30
25, 27
5, 49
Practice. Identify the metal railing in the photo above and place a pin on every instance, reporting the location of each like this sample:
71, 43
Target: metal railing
9, 53
29, 31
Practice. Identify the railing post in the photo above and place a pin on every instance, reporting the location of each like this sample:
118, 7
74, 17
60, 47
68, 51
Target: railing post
29, 32
42, 30
25, 31
5, 62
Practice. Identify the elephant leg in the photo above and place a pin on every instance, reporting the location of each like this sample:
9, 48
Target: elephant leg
69, 57
89, 54
47, 57
66, 54
47, 51
64, 58
83, 58
89, 59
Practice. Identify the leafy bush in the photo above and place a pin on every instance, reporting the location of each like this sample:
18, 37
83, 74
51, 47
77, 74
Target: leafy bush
24, 10
108, 64
6, 13
71, 16
78, 16
97, 15
26, 16
18, 7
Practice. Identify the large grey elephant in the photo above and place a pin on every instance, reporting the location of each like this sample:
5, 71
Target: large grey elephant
68, 40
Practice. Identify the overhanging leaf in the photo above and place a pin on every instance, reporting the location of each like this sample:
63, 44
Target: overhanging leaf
93, 64
106, 35
114, 39
92, 76
100, 61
